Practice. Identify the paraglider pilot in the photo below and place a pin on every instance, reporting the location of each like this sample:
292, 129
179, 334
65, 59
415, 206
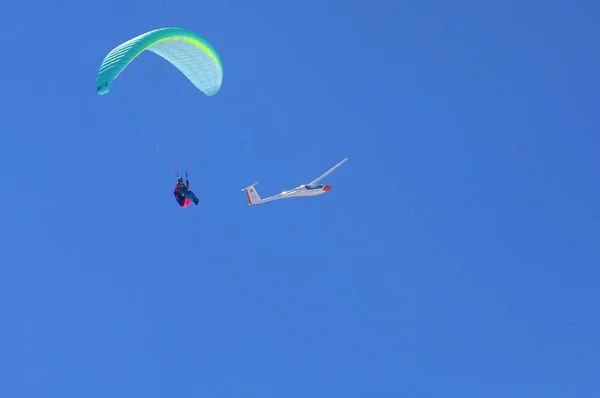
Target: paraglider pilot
182, 193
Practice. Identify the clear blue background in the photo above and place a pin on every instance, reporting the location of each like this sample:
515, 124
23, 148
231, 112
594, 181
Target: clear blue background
456, 256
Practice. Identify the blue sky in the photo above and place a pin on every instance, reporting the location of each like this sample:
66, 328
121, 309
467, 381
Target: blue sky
456, 255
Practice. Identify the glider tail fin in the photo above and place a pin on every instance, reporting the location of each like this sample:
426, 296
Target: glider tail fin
252, 195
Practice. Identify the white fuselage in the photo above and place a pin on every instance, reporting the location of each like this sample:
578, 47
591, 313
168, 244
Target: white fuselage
305, 190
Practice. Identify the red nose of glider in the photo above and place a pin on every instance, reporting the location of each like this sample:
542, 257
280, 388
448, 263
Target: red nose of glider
326, 188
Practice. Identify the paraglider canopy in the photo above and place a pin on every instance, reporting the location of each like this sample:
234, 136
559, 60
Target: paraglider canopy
184, 49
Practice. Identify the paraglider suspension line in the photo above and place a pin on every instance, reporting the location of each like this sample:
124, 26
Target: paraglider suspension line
173, 167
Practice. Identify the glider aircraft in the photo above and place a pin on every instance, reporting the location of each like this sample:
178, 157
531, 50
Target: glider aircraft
313, 188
